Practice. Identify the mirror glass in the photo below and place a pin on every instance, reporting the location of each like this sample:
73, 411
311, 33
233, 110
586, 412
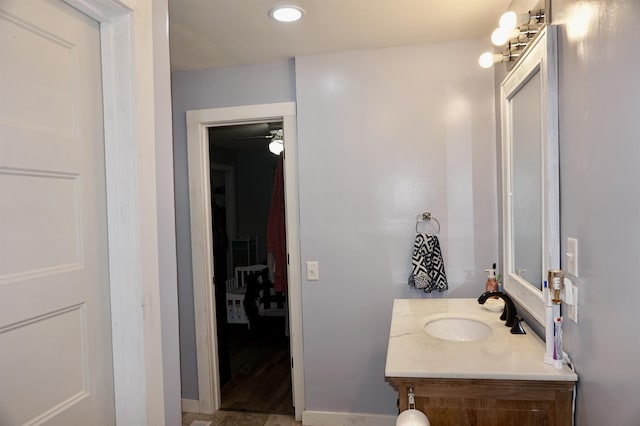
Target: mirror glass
529, 116
526, 179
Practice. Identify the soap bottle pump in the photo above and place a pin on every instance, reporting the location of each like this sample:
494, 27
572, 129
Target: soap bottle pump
492, 283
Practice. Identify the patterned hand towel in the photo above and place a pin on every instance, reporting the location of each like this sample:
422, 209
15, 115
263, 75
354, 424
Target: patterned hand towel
427, 265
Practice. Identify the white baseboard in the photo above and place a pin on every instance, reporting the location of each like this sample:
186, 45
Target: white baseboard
327, 418
191, 405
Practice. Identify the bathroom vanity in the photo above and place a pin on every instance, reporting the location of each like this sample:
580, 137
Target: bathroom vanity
475, 372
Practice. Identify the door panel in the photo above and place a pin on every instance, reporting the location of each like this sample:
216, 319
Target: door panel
37, 244
55, 327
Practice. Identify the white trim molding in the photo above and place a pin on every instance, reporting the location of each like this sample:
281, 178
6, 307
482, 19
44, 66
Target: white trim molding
539, 58
201, 245
326, 418
191, 405
130, 114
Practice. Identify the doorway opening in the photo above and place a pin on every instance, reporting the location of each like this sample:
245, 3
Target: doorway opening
246, 190
205, 312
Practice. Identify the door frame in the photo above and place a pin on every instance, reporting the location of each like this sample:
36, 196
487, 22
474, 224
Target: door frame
143, 365
201, 242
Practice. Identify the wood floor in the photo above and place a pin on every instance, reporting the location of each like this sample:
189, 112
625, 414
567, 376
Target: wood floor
260, 374
231, 418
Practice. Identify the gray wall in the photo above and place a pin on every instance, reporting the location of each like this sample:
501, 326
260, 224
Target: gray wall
166, 216
267, 83
383, 135
599, 174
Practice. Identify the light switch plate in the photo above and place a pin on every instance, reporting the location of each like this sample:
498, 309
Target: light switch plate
572, 256
313, 273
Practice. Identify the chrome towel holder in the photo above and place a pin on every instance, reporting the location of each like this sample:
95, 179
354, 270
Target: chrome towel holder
424, 217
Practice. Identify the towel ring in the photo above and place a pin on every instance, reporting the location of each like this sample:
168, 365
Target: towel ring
422, 217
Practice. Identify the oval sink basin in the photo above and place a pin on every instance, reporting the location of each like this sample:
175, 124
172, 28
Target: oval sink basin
458, 329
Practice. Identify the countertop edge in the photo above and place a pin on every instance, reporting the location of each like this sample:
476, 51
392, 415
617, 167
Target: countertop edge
541, 378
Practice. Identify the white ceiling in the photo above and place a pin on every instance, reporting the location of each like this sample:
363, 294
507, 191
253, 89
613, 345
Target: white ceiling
219, 33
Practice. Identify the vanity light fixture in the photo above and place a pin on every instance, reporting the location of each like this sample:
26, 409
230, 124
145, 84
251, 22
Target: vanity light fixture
286, 13
515, 31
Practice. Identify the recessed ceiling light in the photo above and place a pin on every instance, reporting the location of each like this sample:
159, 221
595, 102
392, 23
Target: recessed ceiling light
286, 13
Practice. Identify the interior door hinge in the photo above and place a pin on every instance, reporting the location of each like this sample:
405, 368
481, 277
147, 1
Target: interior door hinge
288, 259
291, 362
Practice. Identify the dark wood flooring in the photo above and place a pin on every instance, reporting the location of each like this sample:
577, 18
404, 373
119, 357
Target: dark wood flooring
260, 374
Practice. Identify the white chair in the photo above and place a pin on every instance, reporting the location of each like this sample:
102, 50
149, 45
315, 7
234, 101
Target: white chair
236, 289
235, 310
241, 273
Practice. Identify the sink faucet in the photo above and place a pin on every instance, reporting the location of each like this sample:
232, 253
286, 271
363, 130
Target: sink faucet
509, 312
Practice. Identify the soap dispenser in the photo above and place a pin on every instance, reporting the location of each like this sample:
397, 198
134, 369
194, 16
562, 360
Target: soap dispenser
492, 283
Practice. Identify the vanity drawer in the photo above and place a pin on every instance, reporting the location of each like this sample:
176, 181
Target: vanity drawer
481, 402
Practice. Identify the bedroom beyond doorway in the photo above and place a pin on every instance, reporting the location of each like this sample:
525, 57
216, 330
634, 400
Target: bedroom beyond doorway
253, 342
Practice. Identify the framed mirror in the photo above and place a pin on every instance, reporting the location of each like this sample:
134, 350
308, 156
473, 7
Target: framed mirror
531, 211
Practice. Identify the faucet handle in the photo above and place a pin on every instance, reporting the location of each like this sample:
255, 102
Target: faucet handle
504, 313
517, 327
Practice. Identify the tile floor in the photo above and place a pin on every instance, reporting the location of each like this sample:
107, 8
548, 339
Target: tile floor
235, 418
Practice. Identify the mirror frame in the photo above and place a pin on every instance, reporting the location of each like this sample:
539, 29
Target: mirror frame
539, 57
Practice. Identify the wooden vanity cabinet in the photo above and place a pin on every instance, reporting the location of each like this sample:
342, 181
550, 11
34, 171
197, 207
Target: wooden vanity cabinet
480, 402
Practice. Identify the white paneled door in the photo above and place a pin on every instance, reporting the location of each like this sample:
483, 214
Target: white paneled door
55, 329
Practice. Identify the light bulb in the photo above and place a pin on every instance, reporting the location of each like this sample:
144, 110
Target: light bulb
511, 20
499, 37
486, 60
286, 13
508, 20
276, 146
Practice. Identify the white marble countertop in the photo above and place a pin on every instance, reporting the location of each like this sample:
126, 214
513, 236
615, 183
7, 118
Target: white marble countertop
504, 356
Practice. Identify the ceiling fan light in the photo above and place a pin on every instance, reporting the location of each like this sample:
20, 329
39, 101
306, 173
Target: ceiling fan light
286, 13
276, 146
